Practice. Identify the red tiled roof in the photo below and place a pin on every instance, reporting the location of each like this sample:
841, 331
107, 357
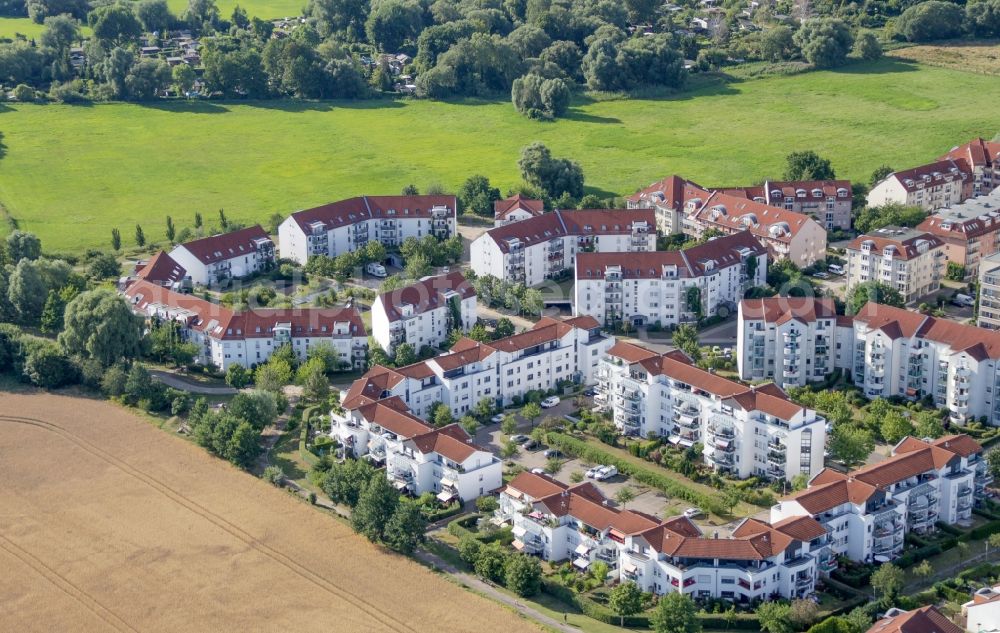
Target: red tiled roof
959, 337
225, 246
450, 441
671, 192
426, 294
879, 317
161, 269
976, 153
801, 528
631, 353
454, 360
961, 445
503, 208
388, 415
534, 485
354, 210
938, 172
736, 214
905, 249
582, 222
923, 620
817, 499
371, 386
778, 406
780, 310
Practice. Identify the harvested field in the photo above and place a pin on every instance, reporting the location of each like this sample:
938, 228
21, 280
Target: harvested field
975, 57
110, 524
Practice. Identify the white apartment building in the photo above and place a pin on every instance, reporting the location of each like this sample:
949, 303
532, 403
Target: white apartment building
981, 159
785, 234
515, 209
577, 523
792, 340
544, 246
746, 431
868, 512
537, 359
982, 613
909, 260
225, 337
902, 353
667, 198
417, 457
212, 260
348, 225
933, 186
826, 201
654, 287
989, 293
424, 313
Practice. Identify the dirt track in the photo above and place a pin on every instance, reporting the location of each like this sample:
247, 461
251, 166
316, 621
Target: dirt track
110, 524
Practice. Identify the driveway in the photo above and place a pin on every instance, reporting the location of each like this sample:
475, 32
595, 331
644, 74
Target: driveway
175, 381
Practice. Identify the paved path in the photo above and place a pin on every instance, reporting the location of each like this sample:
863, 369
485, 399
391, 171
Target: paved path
175, 381
490, 591
520, 323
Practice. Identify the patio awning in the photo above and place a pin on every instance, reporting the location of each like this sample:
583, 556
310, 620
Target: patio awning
518, 545
445, 496
582, 550
581, 562
399, 485
674, 439
519, 531
450, 483
630, 568
686, 442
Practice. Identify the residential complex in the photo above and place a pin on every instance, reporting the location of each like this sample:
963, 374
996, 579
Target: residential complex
577, 523
515, 209
933, 186
424, 313
923, 620
867, 512
538, 359
544, 246
792, 340
162, 270
982, 613
667, 198
970, 230
909, 260
981, 159
213, 260
227, 337
418, 458
745, 431
348, 225
826, 201
669, 287
988, 315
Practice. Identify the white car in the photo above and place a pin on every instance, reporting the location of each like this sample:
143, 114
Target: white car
592, 473
550, 402
497, 419
821, 275
606, 472
693, 512
538, 471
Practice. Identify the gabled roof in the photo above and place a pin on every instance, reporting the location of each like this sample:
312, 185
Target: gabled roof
225, 246
161, 269
897, 322
361, 208
371, 386
631, 353
430, 293
906, 244
582, 222
923, 620
961, 445
671, 192
876, 316
392, 415
929, 175
449, 441
585, 503
779, 310
970, 219
533, 485
976, 153
764, 221
503, 208
820, 498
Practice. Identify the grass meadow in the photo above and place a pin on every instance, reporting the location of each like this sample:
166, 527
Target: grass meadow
72, 172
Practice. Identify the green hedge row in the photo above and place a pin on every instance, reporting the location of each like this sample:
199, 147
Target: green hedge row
443, 513
914, 556
582, 450
981, 532
306, 455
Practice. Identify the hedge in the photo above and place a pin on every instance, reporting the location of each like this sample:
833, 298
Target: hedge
982, 570
442, 513
981, 532
306, 455
912, 557
580, 449
833, 624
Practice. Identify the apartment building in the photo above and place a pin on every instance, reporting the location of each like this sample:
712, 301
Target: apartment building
982, 613
988, 315
417, 457
908, 354
792, 340
213, 260
348, 225
577, 523
162, 270
536, 359
910, 260
930, 187
868, 511
745, 431
656, 287
667, 198
923, 620
544, 246
424, 313
981, 159
826, 201
970, 230
516, 208
226, 337
785, 234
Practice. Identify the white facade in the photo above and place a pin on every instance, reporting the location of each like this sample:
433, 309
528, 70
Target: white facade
867, 512
939, 184
982, 613
348, 225
215, 259
745, 431
911, 261
647, 288
791, 340
988, 315
424, 313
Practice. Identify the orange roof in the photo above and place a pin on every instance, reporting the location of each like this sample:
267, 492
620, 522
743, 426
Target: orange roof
733, 213
161, 269
820, 498
426, 294
961, 445
631, 353
451, 441
534, 485
923, 620
895, 322
362, 208
371, 386
671, 192
780, 310
503, 208
225, 246
906, 243
392, 415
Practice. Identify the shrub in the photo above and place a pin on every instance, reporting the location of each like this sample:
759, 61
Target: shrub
274, 475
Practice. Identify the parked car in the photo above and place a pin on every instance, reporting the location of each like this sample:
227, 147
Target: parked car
550, 402
538, 471
532, 445
590, 391
519, 439
835, 269
821, 275
727, 352
498, 418
606, 472
693, 512
592, 473
553, 452
375, 270
964, 301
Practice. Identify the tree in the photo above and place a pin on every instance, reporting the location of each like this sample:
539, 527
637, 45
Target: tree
927, 424
504, 328
155, 15
477, 195
27, 291
807, 165
531, 412
802, 614
259, 408
61, 31
881, 173
115, 24
894, 427
887, 580
874, 292
140, 237
201, 15
243, 445
100, 325
103, 266
491, 563
857, 621
685, 338
315, 386
825, 43
851, 444
405, 355
889, 214
924, 569
45, 365
345, 482
238, 376
197, 220
625, 600
554, 176
675, 613
23, 245
441, 414
52, 313
778, 44
390, 23
867, 46
116, 240
774, 617
983, 18
523, 574
374, 509
417, 266
405, 528
539, 98
273, 375
171, 229
624, 495
931, 20
509, 425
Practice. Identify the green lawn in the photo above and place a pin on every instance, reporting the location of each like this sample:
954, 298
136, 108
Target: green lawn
266, 9
71, 173
9, 27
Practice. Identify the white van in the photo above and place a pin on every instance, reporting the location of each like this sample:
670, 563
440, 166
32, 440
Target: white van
964, 300
375, 270
836, 269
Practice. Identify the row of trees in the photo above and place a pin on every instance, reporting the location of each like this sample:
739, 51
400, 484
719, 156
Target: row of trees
938, 20
495, 292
